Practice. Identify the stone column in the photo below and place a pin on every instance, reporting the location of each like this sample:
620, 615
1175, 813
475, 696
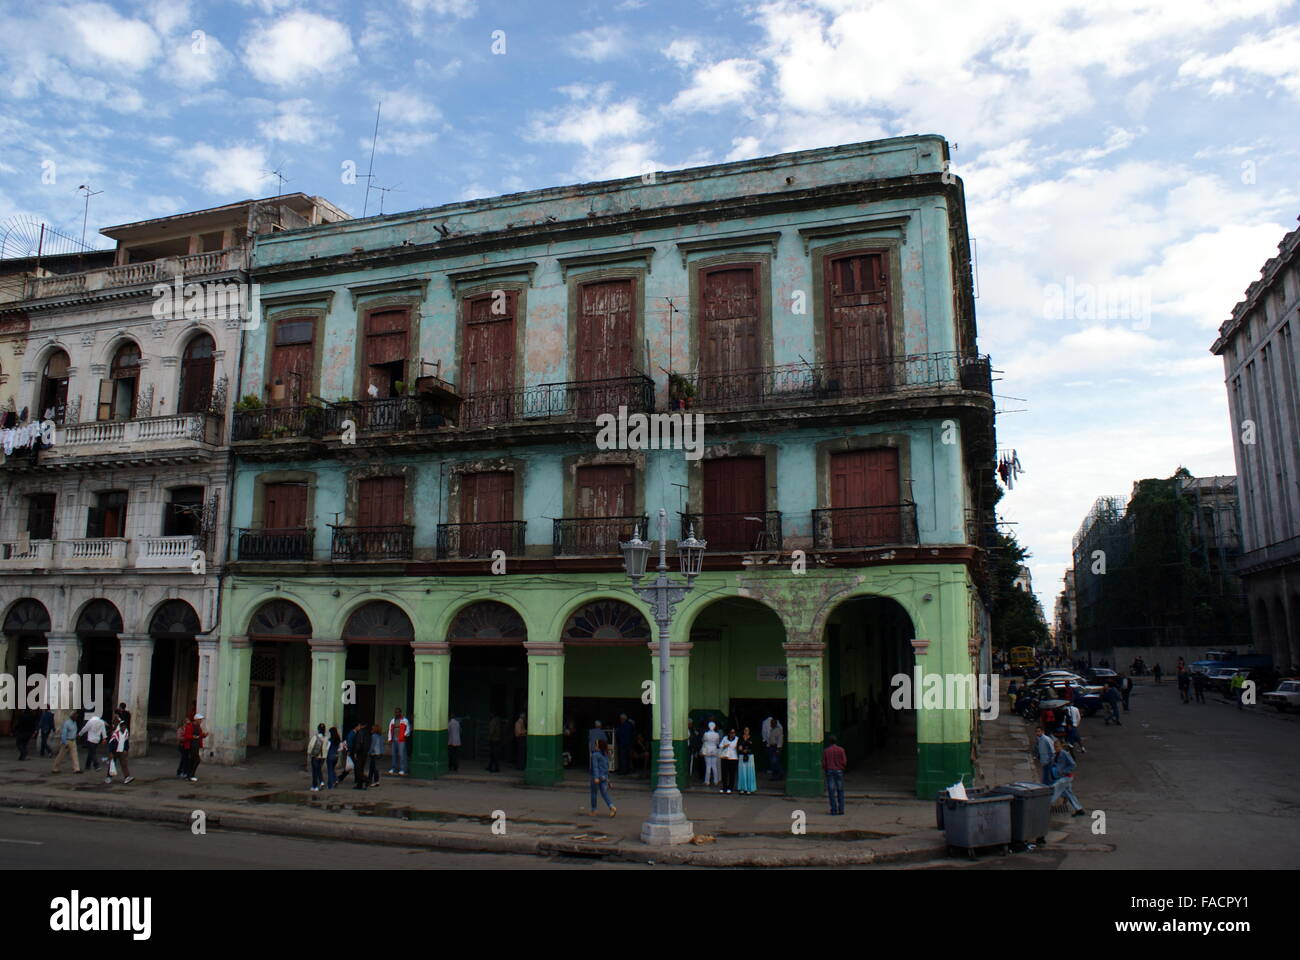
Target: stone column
134, 669
428, 713
62, 660
545, 713
225, 718
679, 667
805, 720
328, 667
942, 647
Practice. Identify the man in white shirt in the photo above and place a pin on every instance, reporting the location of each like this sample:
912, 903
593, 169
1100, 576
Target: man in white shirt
775, 740
95, 730
453, 744
399, 732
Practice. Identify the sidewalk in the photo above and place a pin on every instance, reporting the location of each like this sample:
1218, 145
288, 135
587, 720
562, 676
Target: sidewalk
270, 795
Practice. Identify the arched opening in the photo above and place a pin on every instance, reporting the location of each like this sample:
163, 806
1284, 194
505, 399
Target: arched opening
489, 677
197, 365
98, 628
606, 665
174, 671
738, 672
868, 643
26, 627
279, 677
380, 661
117, 400
53, 402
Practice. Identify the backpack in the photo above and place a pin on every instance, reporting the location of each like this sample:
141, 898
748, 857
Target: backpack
316, 748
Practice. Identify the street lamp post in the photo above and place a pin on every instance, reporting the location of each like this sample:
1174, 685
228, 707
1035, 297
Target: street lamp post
667, 823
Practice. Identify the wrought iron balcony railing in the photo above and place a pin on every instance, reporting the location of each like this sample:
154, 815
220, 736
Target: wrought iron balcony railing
291, 421
849, 527
830, 381
386, 415
579, 400
286, 544
478, 541
594, 536
393, 542
735, 532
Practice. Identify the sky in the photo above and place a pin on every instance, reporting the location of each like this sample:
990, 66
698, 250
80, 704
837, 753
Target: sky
1129, 167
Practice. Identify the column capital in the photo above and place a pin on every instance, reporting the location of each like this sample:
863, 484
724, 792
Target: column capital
431, 648
238, 641
804, 649
322, 645
674, 649
542, 648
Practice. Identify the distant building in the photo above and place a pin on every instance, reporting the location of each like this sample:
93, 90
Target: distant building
1262, 369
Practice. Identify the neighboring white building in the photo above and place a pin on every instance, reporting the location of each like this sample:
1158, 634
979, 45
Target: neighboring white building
112, 539
1262, 368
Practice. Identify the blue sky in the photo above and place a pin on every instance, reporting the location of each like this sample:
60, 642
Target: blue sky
1142, 152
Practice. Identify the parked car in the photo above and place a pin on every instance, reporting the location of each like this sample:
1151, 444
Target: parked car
1102, 674
1286, 696
1220, 678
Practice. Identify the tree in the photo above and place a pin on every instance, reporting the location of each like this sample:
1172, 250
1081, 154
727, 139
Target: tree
1016, 618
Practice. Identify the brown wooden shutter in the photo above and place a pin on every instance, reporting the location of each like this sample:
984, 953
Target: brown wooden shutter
292, 358
381, 501
861, 479
859, 325
284, 506
196, 375
605, 329
606, 491
734, 487
105, 411
729, 315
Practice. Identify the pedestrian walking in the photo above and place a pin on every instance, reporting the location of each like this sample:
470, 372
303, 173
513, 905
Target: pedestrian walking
1238, 687
332, 757
1072, 720
95, 731
68, 742
183, 748
495, 733
775, 741
1126, 688
316, 748
24, 729
730, 760
709, 751
376, 753
1045, 750
1157, 673
453, 744
521, 742
1113, 699
1063, 780
44, 727
358, 750
746, 781
196, 737
118, 744
600, 777
833, 763
1184, 686
399, 732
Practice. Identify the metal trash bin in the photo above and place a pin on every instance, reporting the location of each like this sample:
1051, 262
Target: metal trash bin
983, 821
942, 795
1031, 810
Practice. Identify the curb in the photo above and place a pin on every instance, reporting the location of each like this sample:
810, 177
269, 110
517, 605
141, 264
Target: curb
895, 850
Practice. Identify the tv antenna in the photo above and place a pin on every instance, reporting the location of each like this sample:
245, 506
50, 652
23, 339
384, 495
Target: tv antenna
280, 178
370, 172
383, 192
86, 213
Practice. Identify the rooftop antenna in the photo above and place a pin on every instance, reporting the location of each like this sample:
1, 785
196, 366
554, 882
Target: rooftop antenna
280, 178
383, 192
371, 171
86, 214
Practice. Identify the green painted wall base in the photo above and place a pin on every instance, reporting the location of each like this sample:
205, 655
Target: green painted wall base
544, 767
428, 754
938, 765
804, 776
679, 757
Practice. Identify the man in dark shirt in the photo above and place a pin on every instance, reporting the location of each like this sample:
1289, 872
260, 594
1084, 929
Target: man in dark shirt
359, 751
833, 761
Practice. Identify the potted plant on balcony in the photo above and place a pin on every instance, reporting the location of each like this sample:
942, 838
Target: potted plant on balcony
681, 392
251, 401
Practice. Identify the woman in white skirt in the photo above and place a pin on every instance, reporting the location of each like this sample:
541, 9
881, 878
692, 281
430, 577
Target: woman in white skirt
709, 750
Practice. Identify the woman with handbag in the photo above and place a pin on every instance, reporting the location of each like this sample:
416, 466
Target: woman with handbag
332, 757
747, 780
316, 757
117, 747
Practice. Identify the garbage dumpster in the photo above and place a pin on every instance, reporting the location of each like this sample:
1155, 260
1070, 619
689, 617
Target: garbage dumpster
1031, 810
983, 821
942, 795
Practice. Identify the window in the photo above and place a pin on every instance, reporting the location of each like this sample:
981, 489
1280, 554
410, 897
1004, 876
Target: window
292, 359
735, 502
196, 375
606, 311
729, 320
489, 343
54, 387
865, 495
385, 352
487, 501
117, 394
183, 515
40, 516
859, 325
381, 501
284, 506
210, 242
108, 515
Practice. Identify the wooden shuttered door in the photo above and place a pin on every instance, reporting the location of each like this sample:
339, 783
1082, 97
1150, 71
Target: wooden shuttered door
608, 491
859, 326
292, 358
381, 502
734, 488
284, 506
486, 500
605, 329
196, 375
386, 336
865, 493
730, 348
489, 364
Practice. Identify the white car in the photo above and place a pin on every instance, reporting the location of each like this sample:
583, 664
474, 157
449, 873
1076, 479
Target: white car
1287, 695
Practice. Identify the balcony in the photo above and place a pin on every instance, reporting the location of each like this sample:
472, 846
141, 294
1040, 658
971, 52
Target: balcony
840, 528
582, 400
735, 532
135, 274
26, 555
356, 544
478, 541
263, 545
165, 552
290, 422
822, 382
594, 536
388, 415
179, 428
98, 553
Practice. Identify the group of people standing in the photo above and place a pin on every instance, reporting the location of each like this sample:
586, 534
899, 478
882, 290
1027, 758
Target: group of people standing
333, 757
93, 731
727, 761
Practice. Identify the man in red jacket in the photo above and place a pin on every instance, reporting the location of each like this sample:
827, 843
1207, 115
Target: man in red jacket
194, 735
833, 762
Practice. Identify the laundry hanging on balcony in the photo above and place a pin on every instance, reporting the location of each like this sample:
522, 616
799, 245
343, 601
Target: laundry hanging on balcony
1009, 468
16, 438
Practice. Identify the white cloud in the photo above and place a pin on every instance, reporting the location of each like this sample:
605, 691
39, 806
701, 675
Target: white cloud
588, 123
682, 51
298, 48
1275, 57
195, 61
718, 85
597, 44
102, 37
298, 121
238, 168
